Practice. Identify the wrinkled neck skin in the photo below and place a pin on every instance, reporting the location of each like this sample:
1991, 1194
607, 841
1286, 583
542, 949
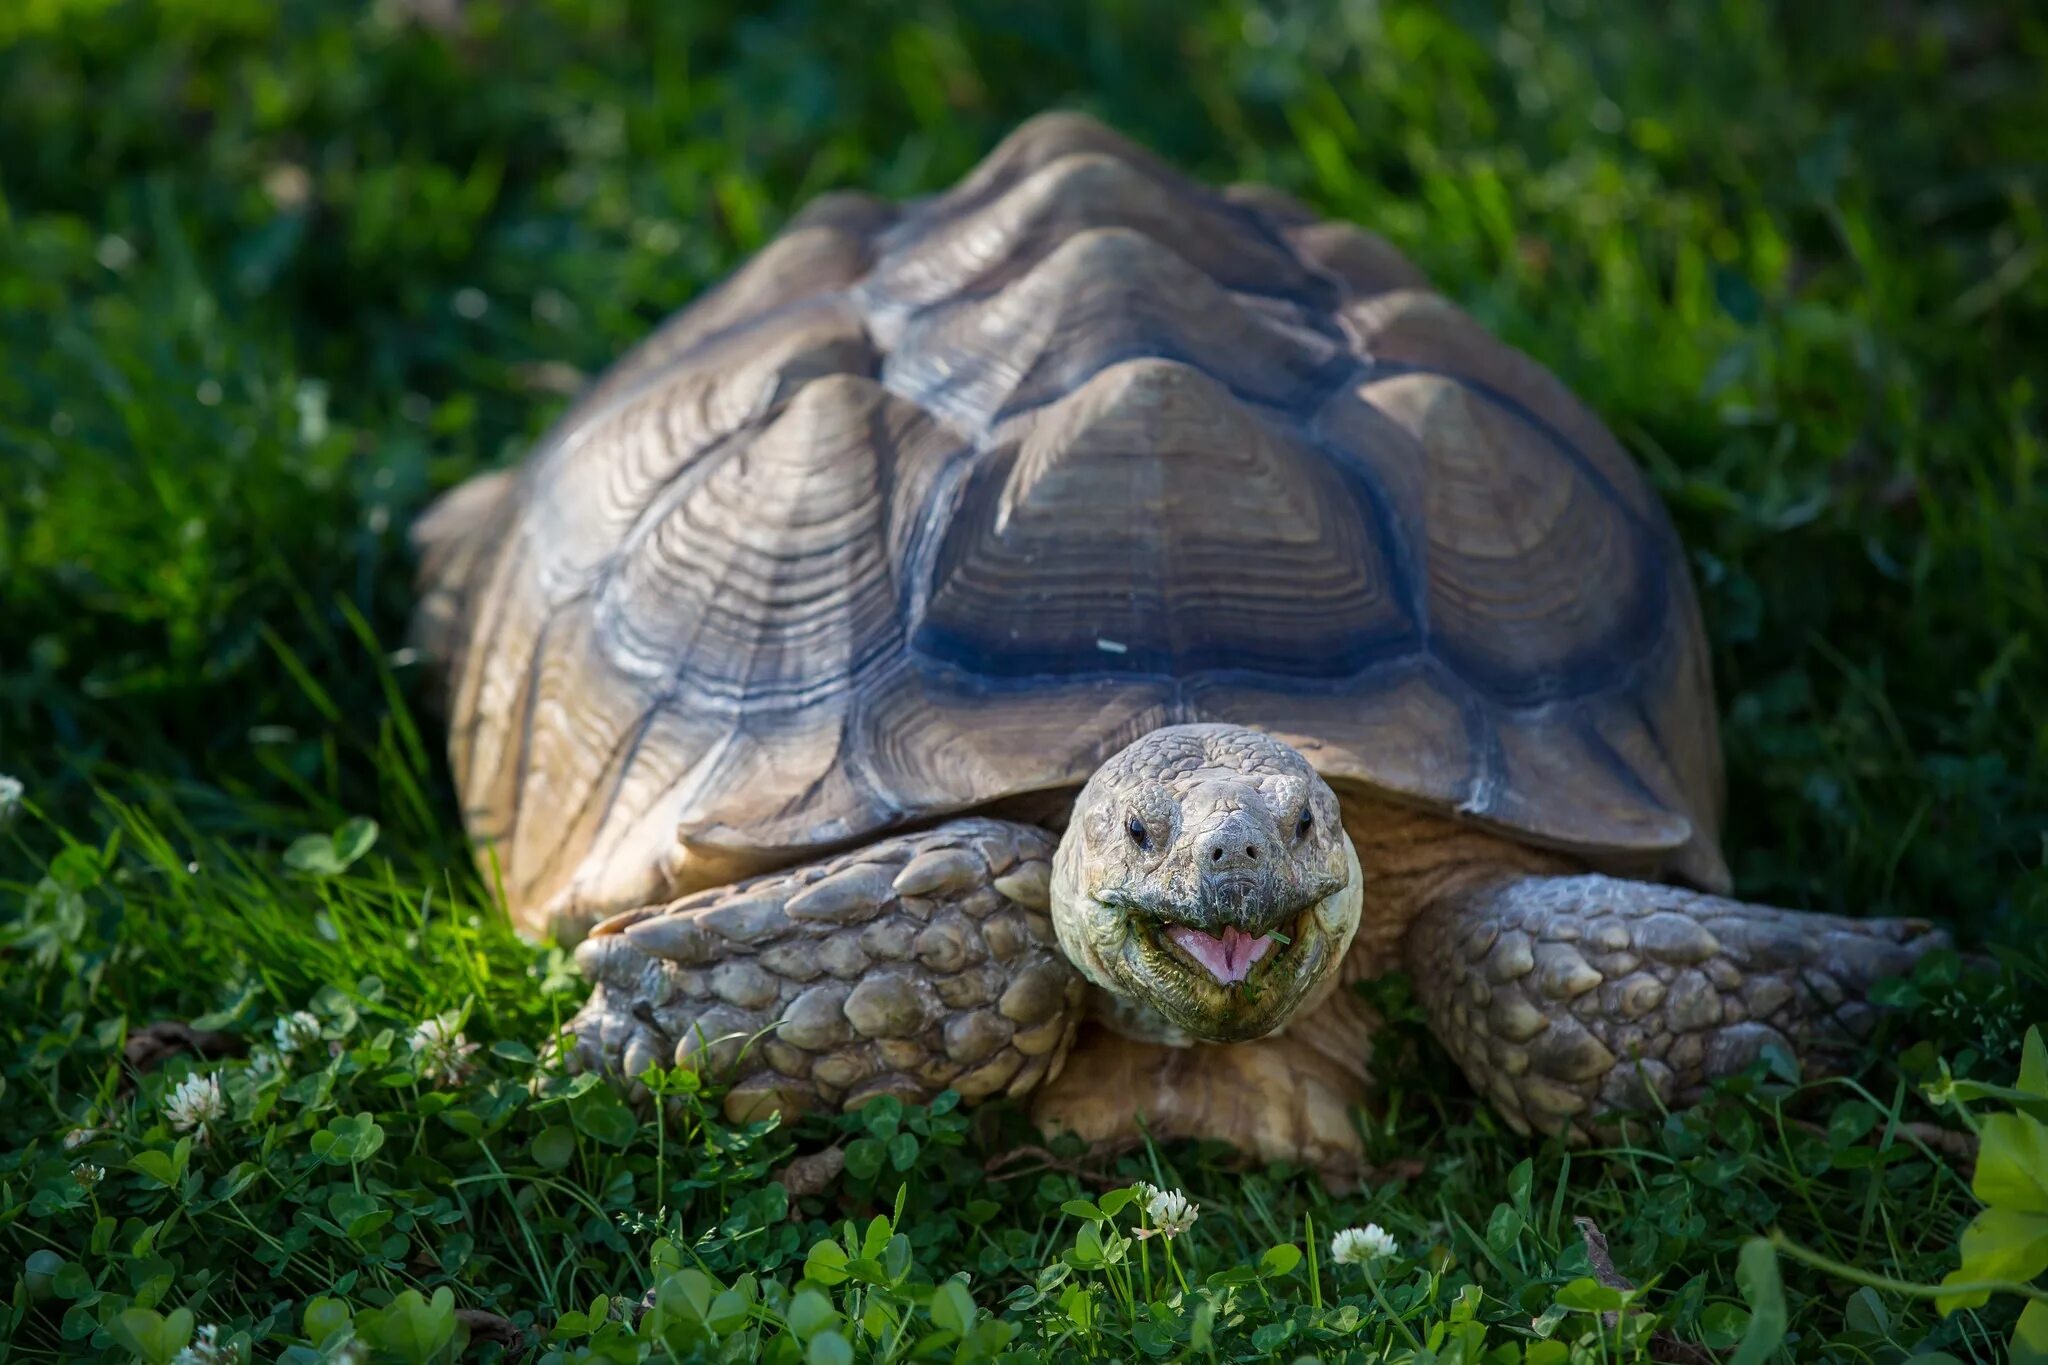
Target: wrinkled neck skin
1206, 878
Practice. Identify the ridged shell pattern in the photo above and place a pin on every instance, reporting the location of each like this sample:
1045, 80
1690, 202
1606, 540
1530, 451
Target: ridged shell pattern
927, 507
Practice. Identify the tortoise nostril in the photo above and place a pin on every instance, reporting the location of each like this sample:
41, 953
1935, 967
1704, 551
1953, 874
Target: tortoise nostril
1238, 843
1226, 852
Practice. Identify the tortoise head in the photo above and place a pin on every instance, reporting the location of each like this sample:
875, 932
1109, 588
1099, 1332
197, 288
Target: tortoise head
1206, 873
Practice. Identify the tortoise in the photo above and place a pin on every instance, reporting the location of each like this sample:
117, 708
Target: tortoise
1054, 638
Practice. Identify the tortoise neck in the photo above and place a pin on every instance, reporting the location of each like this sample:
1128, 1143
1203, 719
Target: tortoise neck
1413, 859
1412, 863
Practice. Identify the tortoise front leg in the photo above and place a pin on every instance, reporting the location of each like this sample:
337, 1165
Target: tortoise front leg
918, 964
1562, 997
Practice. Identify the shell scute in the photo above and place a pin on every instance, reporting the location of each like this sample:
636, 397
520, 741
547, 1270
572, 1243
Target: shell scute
932, 506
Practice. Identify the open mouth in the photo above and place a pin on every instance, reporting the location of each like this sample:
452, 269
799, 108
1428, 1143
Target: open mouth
1229, 956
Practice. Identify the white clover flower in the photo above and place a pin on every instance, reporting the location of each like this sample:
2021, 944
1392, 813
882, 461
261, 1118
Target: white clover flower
443, 1052
1169, 1211
1363, 1246
11, 793
294, 1031
195, 1103
86, 1175
206, 1349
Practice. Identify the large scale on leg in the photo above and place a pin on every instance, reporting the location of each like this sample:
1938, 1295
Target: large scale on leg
1082, 506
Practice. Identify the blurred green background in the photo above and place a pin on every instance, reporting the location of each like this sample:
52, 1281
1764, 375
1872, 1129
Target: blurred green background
273, 272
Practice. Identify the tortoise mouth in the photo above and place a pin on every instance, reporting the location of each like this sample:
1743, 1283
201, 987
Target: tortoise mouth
1225, 984
1233, 957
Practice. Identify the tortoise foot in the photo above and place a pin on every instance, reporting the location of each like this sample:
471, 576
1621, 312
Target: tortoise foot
1567, 997
915, 965
1276, 1099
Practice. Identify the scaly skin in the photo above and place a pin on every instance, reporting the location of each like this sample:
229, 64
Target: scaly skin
914, 965
1566, 997
928, 961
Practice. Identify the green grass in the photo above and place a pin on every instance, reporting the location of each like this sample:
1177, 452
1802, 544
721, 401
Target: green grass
272, 273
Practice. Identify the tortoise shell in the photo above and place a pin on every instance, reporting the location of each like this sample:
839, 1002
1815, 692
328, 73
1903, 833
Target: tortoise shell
936, 505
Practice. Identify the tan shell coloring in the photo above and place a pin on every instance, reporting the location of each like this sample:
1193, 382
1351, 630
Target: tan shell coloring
934, 505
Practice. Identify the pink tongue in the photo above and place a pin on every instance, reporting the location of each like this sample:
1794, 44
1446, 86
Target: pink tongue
1229, 957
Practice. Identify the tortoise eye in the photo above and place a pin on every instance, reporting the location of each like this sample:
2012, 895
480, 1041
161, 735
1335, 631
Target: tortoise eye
1306, 823
1136, 829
